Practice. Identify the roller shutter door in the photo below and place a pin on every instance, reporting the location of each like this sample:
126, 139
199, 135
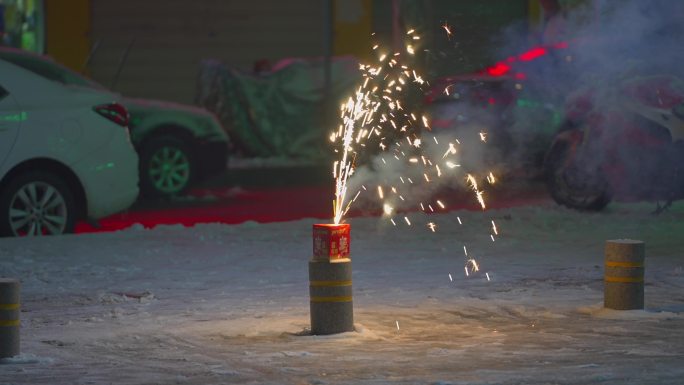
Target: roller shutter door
173, 36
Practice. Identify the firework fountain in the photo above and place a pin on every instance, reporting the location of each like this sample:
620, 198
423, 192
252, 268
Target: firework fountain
379, 128
380, 119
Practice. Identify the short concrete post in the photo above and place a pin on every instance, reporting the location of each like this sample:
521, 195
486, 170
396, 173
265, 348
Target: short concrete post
330, 280
624, 274
9, 317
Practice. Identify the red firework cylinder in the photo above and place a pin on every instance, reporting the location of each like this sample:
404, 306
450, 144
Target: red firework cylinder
331, 242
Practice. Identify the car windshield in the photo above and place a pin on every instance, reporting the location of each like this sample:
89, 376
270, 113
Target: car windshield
48, 69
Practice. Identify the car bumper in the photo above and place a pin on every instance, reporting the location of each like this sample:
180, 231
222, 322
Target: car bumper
212, 157
110, 178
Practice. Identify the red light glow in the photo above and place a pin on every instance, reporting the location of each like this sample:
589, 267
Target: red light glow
533, 54
500, 69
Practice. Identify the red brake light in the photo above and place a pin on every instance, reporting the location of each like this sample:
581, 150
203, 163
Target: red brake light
533, 54
499, 69
114, 112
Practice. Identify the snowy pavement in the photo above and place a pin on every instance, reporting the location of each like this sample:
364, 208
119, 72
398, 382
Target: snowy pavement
228, 304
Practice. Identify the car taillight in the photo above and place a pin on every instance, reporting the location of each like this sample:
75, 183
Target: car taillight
114, 112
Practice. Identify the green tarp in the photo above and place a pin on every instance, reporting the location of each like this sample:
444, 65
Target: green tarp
282, 112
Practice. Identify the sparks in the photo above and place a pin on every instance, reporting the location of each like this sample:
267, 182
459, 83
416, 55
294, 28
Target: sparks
407, 221
440, 204
432, 226
483, 136
459, 220
494, 228
375, 105
447, 28
356, 196
474, 267
487, 275
478, 193
451, 278
450, 150
425, 122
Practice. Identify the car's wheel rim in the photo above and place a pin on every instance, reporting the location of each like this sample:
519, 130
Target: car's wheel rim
169, 170
579, 188
38, 208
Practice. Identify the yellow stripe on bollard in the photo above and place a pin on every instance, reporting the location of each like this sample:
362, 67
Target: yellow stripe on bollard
9, 306
10, 323
623, 264
625, 279
346, 298
329, 283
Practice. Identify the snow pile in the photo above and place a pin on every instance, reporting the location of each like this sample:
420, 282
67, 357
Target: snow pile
218, 304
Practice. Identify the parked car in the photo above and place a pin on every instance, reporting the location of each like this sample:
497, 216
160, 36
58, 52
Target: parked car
178, 145
65, 154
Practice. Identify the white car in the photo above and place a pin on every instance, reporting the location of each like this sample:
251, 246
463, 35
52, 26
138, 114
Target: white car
65, 154
178, 144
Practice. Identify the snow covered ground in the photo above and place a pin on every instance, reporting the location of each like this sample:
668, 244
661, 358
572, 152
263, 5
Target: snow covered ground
219, 304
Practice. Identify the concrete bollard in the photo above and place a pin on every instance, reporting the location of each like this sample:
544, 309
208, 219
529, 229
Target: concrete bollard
624, 274
330, 290
9, 317
330, 280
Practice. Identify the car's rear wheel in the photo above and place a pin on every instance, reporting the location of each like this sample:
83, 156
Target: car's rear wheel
574, 184
166, 167
36, 204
